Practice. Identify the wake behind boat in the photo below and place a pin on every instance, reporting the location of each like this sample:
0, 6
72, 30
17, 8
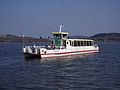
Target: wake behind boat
61, 45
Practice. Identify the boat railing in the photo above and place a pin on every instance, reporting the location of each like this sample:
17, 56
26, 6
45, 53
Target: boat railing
49, 47
95, 45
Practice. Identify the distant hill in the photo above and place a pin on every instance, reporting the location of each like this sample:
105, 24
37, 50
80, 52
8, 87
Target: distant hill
97, 37
14, 38
106, 37
101, 37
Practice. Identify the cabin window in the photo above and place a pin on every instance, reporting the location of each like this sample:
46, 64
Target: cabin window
64, 35
75, 43
87, 43
70, 43
82, 43
57, 36
90, 43
78, 43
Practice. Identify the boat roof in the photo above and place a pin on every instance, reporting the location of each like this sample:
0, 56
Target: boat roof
80, 39
59, 32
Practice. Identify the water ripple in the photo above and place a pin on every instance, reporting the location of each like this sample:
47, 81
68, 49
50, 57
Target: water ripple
92, 71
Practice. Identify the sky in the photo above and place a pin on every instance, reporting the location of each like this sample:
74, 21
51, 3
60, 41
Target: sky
40, 17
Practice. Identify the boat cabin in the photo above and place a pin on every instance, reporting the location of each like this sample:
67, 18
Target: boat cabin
79, 42
60, 39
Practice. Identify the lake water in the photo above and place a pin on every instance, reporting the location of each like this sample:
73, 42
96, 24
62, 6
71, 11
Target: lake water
100, 71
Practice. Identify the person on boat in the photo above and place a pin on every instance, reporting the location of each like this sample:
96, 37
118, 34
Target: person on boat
52, 45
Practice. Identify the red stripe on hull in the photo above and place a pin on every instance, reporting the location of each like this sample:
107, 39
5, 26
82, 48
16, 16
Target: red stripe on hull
66, 53
70, 52
52, 55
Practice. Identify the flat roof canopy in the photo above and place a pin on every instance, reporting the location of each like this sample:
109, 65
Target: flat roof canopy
80, 39
59, 32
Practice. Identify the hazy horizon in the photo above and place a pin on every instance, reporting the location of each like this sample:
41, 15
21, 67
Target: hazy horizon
40, 17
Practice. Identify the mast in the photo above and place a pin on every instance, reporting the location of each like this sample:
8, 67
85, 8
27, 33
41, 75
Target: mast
60, 27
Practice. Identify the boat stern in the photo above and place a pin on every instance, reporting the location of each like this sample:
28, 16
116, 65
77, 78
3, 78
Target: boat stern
32, 51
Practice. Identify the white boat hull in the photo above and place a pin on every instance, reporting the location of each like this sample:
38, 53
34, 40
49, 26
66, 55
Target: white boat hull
67, 54
44, 53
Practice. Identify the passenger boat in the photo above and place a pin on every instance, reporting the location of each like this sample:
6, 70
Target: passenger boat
61, 45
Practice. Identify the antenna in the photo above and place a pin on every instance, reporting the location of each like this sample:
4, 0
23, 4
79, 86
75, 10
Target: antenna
60, 26
23, 42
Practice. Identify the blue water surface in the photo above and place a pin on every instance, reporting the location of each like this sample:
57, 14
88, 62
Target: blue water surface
100, 71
